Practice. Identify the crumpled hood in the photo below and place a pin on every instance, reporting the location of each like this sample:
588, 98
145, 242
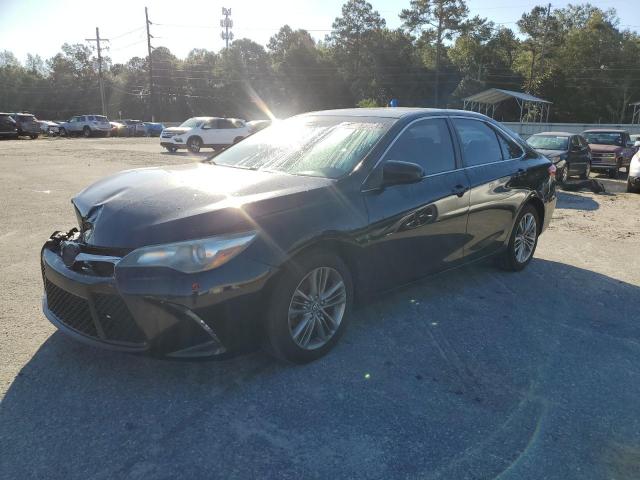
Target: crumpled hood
595, 147
167, 204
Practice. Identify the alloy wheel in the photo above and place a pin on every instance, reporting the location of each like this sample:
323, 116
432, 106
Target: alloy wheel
525, 239
565, 174
317, 308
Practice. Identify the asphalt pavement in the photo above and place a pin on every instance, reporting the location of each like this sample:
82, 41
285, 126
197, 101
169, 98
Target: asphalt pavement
472, 374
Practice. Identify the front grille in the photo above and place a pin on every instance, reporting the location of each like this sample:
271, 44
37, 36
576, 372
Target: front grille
117, 323
70, 309
603, 157
113, 316
168, 134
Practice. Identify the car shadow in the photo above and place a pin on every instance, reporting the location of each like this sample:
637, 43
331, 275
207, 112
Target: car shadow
576, 202
472, 373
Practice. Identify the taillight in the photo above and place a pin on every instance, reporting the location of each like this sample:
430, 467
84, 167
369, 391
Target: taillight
552, 170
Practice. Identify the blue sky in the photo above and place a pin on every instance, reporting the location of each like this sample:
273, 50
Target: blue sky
42, 26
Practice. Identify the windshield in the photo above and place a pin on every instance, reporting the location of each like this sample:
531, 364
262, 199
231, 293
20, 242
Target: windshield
604, 138
548, 142
316, 146
192, 123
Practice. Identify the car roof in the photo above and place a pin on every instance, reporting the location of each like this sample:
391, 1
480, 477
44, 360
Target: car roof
393, 112
557, 134
606, 130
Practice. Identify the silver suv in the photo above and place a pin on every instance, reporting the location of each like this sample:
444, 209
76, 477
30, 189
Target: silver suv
86, 125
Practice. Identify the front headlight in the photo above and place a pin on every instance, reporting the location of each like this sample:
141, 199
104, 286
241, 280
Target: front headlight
192, 256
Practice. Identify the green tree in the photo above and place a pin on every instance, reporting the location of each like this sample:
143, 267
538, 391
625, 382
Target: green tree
439, 20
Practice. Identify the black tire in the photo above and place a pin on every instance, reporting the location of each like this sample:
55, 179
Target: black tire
585, 174
237, 139
279, 339
86, 132
62, 132
564, 175
34, 136
172, 149
194, 144
508, 260
631, 188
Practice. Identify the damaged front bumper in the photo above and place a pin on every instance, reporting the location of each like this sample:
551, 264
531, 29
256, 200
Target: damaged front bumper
148, 310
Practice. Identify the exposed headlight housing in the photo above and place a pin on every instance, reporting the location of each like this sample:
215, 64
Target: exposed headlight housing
192, 256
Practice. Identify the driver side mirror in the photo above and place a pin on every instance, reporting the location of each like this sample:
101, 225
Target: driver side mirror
395, 172
637, 144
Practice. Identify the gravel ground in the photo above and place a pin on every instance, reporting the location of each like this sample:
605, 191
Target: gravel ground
476, 373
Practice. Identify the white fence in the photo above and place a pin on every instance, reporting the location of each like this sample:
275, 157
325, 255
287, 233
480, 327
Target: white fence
527, 129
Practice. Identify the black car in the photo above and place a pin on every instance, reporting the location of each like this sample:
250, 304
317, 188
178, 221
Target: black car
28, 125
8, 127
272, 240
569, 152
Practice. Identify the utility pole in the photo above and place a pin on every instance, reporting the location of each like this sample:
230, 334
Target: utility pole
98, 40
227, 24
151, 92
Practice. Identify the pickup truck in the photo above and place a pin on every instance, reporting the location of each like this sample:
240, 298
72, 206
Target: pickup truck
611, 149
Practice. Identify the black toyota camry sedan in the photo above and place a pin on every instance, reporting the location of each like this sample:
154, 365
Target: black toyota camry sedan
271, 241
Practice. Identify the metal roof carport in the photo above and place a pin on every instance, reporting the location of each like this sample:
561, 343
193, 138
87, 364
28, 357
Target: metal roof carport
487, 101
635, 118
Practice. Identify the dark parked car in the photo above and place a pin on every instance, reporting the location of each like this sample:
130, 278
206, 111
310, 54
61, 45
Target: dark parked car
8, 127
273, 239
569, 152
610, 149
153, 129
28, 125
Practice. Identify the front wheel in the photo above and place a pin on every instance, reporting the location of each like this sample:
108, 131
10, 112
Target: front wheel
194, 144
564, 176
523, 241
631, 188
586, 173
33, 137
172, 149
309, 307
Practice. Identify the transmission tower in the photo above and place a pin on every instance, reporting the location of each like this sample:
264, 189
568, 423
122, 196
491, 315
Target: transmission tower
227, 24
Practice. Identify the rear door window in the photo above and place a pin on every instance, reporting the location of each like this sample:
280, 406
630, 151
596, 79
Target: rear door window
510, 149
427, 143
479, 142
224, 123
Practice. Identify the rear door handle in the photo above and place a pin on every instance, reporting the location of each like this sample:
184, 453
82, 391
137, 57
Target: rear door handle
460, 190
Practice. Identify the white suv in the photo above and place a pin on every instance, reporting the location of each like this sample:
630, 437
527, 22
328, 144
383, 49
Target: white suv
198, 132
86, 125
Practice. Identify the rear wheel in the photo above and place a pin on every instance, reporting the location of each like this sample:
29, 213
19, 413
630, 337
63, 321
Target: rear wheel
237, 139
630, 187
34, 136
86, 132
62, 132
309, 307
523, 241
194, 144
